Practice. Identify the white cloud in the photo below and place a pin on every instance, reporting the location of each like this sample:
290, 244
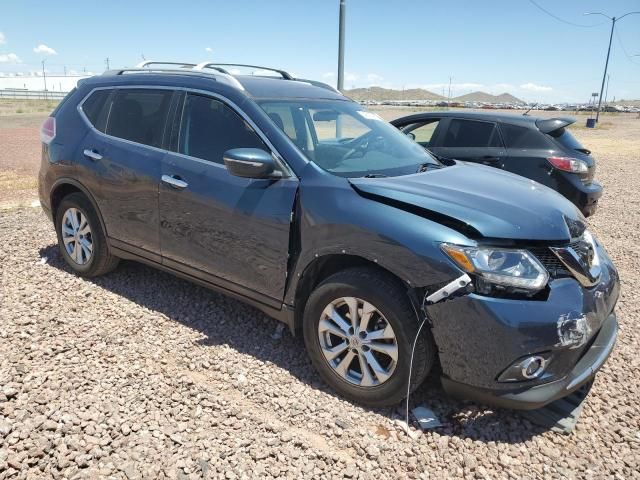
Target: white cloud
374, 78
9, 58
328, 75
351, 77
43, 49
3, 39
532, 87
208, 50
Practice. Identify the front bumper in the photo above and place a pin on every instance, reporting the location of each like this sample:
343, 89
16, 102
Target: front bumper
529, 398
478, 337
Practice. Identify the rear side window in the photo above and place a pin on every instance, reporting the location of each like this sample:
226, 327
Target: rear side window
522, 137
96, 108
209, 128
470, 133
139, 115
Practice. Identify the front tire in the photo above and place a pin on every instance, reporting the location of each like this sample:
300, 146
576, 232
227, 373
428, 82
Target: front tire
359, 328
82, 242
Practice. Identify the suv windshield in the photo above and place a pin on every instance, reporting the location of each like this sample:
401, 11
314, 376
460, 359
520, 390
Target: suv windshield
346, 140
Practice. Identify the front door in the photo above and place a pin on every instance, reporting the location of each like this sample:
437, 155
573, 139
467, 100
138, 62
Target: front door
227, 230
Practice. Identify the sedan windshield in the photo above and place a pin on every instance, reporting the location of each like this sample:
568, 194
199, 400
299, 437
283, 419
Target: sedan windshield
346, 140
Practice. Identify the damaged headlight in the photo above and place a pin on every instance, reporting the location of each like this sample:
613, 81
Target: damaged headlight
511, 268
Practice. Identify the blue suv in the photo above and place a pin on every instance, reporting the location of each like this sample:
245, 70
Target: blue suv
285, 194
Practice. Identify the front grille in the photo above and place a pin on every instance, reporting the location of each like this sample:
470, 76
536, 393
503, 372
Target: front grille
549, 261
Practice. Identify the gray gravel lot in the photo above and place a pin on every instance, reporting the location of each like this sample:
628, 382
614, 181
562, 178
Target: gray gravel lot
142, 375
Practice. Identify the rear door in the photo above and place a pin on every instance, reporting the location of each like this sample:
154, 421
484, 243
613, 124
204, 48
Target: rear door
470, 140
122, 154
227, 230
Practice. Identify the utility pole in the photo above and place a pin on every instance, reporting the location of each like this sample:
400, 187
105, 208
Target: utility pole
44, 78
606, 92
449, 95
343, 12
65, 70
107, 62
606, 64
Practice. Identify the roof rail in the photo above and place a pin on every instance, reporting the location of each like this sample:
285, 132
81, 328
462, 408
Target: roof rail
220, 67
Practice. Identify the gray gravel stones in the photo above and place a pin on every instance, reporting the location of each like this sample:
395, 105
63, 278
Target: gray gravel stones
141, 375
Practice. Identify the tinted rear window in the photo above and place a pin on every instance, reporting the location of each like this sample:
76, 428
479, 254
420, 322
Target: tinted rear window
523, 137
139, 115
96, 108
568, 141
469, 133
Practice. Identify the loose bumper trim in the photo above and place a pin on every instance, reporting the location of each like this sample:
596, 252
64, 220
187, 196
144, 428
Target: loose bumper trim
538, 396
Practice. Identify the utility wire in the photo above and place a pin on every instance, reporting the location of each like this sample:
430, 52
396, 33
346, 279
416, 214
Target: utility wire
562, 19
624, 50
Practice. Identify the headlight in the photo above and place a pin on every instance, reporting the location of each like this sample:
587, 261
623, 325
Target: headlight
513, 268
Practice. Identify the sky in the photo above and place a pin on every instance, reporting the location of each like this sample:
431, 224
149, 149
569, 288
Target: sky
489, 45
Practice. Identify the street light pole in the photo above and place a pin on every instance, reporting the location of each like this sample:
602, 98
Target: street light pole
606, 64
343, 8
44, 77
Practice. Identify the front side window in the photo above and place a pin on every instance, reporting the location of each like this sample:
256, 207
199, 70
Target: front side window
209, 128
345, 140
139, 115
470, 133
96, 108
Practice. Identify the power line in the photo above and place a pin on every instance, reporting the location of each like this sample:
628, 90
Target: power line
624, 50
562, 19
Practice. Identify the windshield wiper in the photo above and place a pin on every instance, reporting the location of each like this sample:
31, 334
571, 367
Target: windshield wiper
374, 175
428, 166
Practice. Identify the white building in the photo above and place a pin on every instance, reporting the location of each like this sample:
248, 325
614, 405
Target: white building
36, 82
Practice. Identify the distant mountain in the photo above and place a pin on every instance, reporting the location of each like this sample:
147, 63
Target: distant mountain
487, 98
379, 93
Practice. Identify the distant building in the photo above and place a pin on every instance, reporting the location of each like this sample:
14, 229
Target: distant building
55, 83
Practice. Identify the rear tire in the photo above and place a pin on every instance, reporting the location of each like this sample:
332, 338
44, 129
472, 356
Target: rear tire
378, 356
82, 242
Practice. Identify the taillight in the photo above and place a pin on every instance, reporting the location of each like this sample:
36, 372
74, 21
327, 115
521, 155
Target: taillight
48, 130
569, 164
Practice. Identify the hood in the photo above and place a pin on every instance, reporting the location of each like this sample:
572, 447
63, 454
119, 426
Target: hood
480, 201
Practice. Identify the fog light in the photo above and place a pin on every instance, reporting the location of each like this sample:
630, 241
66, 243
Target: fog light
527, 368
533, 367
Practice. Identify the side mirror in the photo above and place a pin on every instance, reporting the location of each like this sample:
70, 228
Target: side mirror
250, 163
412, 136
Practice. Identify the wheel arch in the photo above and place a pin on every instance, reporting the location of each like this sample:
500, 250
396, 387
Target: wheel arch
65, 186
322, 267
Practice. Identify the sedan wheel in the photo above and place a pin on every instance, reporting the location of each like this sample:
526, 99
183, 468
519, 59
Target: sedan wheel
358, 342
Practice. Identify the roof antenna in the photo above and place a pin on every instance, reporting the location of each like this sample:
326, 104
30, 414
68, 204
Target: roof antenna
526, 114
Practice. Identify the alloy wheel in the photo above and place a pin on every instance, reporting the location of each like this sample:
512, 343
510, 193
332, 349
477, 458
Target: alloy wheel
76, 235
358, 342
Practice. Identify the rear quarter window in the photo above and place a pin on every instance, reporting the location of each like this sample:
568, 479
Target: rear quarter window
568, 141
516, 136
96, 109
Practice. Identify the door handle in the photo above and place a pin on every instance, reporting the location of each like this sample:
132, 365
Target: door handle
92, 154
174, 182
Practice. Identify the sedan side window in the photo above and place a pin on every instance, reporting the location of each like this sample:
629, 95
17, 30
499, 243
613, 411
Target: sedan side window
139, 115
470, 133
209, 128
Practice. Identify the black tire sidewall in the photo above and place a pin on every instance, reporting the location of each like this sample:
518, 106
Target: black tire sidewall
397, 311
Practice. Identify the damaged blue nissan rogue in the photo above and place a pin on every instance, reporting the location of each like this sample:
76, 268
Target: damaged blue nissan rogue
284, 193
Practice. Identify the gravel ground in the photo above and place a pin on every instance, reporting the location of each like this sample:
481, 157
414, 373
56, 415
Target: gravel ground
139, 374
